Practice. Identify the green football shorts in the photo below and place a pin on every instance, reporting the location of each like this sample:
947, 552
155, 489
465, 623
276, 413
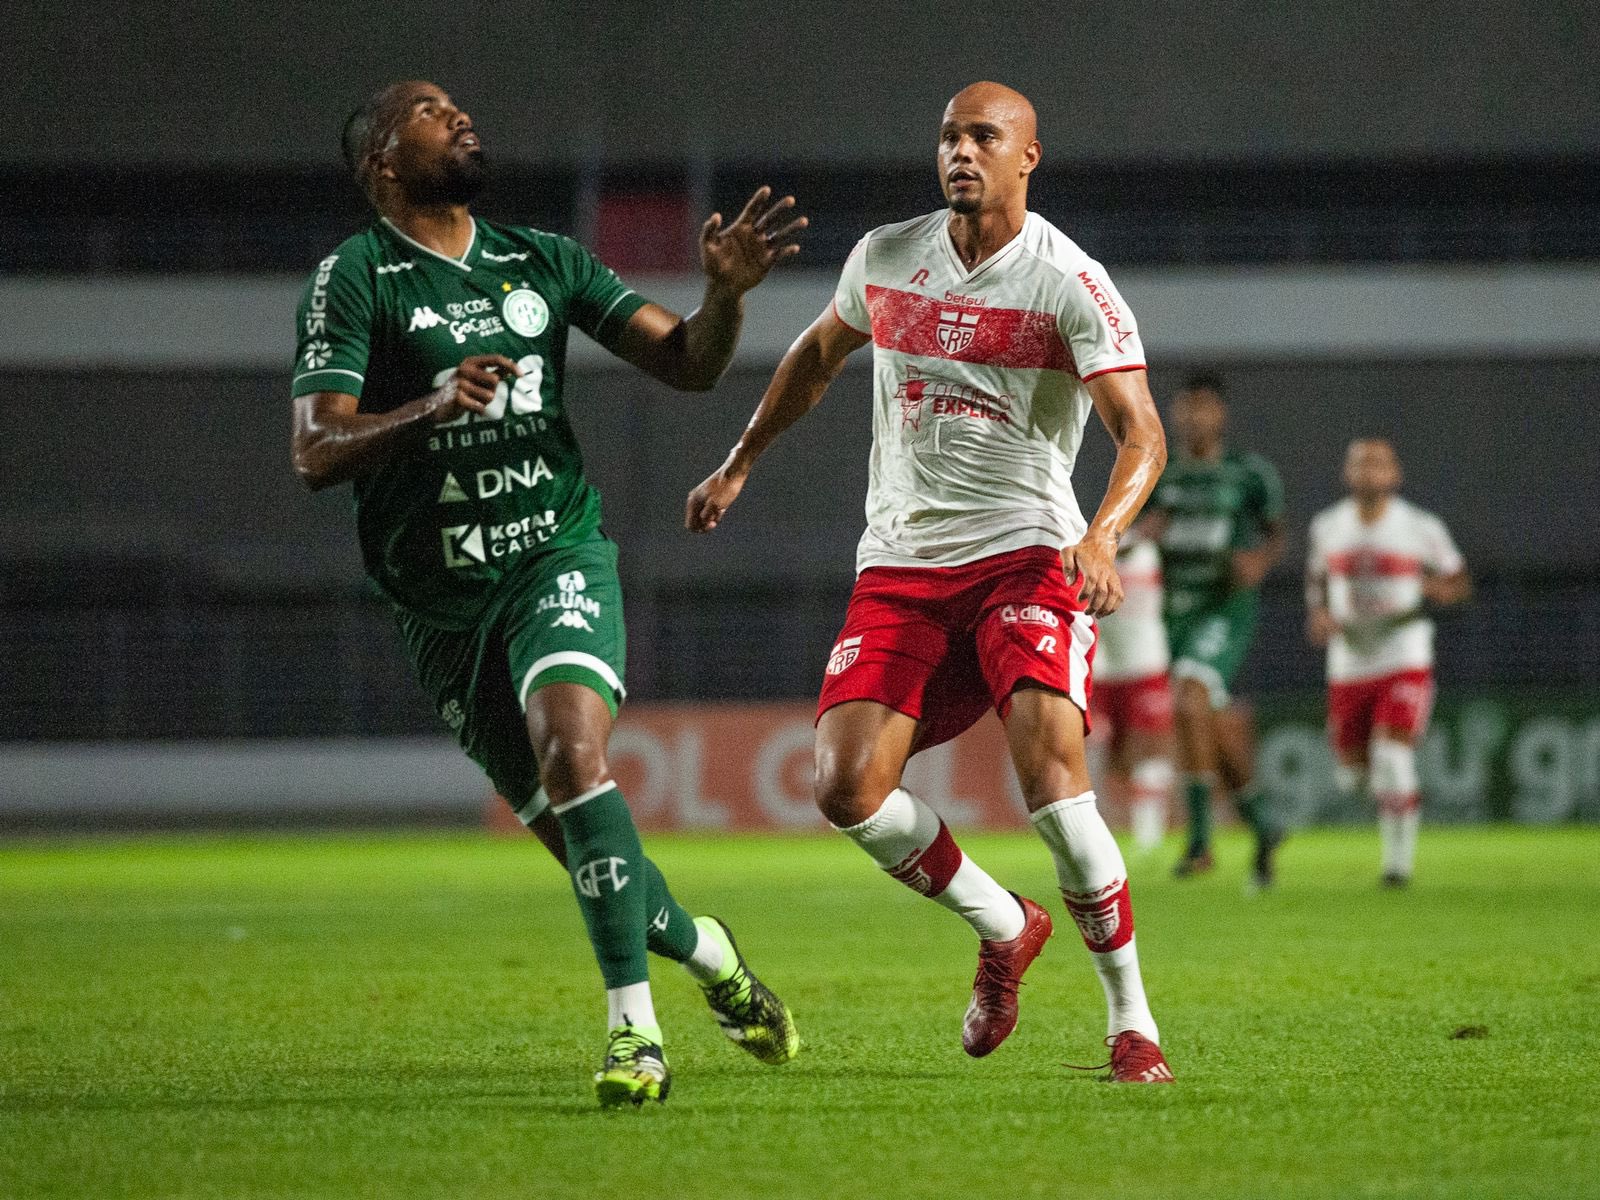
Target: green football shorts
558, 619
1209, 643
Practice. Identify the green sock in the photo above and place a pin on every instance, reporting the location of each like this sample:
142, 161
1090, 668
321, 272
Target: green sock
1252, 807
1197, 795
672, 932
611, 878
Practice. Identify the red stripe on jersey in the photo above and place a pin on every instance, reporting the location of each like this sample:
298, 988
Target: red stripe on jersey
992, 337
1372, 562
1113, 371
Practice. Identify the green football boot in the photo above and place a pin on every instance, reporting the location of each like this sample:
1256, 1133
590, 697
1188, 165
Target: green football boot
749, 1012
635, 1070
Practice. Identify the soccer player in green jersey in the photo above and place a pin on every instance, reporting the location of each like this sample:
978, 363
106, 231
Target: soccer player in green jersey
429, 374
1217, 515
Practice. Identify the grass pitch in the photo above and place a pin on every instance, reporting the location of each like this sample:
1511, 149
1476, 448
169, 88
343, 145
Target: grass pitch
416, 1016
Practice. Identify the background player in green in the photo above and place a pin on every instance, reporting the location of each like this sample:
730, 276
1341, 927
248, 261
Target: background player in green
429, 371
1217, 515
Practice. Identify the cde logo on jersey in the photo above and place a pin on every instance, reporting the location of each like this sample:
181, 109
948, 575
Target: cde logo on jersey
956, 329
845, 653
526, 312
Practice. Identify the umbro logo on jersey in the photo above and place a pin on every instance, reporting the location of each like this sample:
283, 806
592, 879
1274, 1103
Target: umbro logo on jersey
424, 318
395, 268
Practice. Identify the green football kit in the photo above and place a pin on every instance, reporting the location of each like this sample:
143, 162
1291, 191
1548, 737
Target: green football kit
1213, 509
483, 533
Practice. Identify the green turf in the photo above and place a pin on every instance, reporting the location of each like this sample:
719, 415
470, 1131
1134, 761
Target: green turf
418, 1016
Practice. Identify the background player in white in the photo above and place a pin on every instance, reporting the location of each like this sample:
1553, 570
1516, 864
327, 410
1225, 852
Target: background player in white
1132, 697
1375, 561
993, 336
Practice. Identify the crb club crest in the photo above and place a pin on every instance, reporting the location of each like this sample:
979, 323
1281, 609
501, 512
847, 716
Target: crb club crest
845, 653
1099, 924
957, 328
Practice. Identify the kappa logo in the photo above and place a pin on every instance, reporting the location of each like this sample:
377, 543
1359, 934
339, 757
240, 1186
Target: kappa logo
463, 545
659, 921
957, 329
424, 317
845, 653
572, 619
598, 872
514, 256
396, 268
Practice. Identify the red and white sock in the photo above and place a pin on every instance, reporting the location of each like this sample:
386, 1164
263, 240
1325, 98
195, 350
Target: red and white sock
1395, 789
907, 839
1094, 884
1152, 781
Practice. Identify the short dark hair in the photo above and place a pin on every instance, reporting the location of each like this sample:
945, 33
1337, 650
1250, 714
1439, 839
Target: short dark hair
366, 129
1205, 381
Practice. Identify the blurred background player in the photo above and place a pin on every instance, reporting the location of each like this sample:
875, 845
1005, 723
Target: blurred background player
429, 373
1375, 561
1217, 515
993, 335
1132, 697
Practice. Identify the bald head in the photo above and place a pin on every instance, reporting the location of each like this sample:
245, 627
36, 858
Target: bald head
987, 150
995, 102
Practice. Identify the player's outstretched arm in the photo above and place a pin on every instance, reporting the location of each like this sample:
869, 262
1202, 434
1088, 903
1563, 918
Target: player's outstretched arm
692, 352
809, 366
1123, 400
1445, 590
333, 443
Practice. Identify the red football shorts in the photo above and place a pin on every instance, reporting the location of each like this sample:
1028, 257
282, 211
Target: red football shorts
946, 644
1142, 705
1402, 701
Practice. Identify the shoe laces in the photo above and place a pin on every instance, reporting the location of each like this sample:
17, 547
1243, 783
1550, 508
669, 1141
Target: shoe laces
1120, 1049
994, 975
627, 1045
727, 994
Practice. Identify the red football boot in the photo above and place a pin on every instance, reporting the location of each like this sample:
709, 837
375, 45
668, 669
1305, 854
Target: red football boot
992, 1015
1136, 1059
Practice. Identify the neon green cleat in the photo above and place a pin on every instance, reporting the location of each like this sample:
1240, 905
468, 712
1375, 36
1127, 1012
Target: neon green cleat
749, 1012
635, 1070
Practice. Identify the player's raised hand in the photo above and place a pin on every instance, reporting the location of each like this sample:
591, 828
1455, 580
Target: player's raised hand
711, 500
738, 256
1091, 564
471, 386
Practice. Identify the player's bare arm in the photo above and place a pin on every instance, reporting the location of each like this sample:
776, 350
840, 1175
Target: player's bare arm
1320, 625
1250, 566
692, 352
333, 443
797, 386
1123, 400
1444, 590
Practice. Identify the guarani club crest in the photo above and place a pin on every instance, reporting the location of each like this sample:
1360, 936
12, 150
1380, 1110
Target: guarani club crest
957, 328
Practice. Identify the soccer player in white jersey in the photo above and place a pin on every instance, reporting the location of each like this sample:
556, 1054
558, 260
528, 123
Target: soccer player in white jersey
993, 335
1132, 699
1375, 561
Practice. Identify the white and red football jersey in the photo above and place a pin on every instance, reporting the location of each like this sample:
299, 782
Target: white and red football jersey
978, 386
1133, 640
1373, 580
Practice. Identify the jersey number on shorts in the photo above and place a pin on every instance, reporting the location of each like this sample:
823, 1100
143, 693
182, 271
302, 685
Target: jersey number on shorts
521, 393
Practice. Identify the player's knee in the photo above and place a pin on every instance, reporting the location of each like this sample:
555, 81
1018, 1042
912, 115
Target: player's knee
846, 792
571, 764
